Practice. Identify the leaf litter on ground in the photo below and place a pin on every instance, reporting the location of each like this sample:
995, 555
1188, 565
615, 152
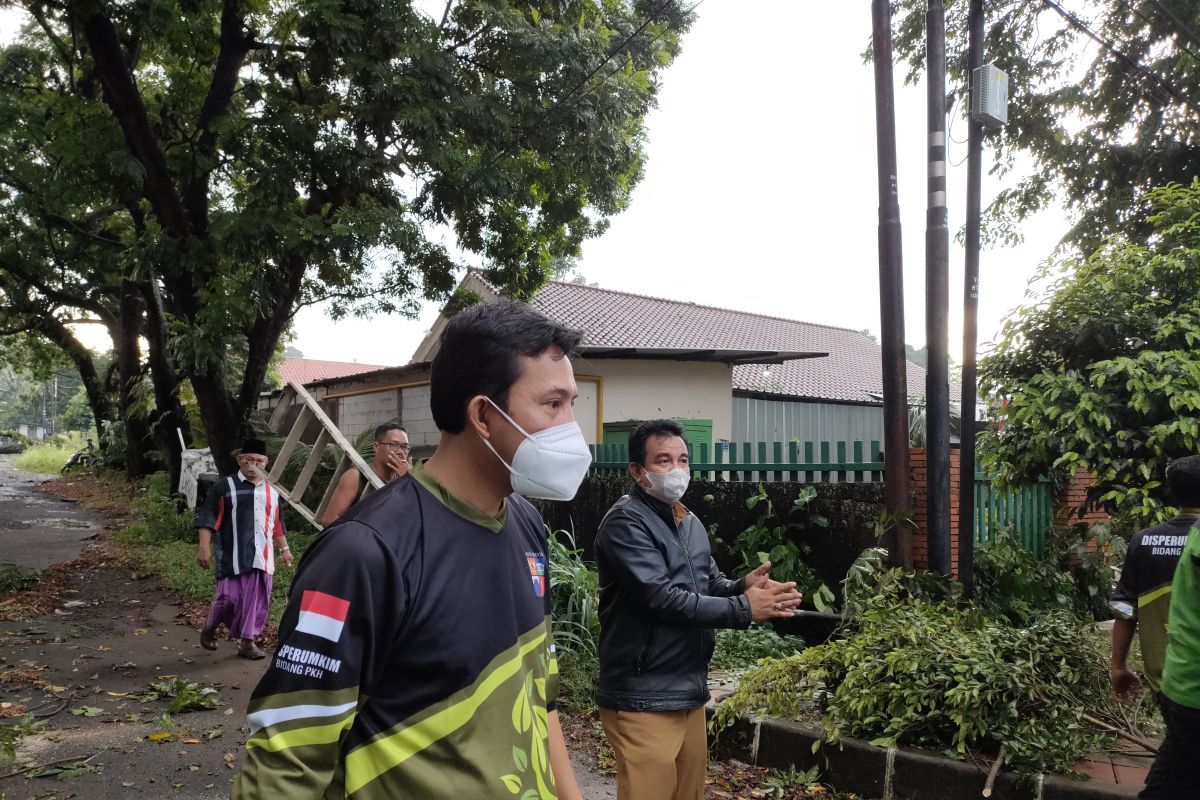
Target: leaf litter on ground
185, 695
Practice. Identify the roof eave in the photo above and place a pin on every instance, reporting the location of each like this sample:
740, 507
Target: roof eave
731, 357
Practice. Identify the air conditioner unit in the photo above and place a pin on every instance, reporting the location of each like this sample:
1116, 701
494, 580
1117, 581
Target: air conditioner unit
989, 96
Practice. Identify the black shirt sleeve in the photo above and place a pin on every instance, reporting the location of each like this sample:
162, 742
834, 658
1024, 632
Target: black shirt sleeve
344, 612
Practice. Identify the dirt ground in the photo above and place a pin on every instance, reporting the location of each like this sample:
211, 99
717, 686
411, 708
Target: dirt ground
77, 647
80, 649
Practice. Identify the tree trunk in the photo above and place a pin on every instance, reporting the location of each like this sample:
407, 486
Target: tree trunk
222, 424
99, 399
129, 375
170, 420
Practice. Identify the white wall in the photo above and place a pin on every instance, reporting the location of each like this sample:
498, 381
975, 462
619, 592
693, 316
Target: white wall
624, 389
645, 389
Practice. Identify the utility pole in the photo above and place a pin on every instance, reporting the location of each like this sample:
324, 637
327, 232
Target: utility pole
966, 434
891, 291
937, 299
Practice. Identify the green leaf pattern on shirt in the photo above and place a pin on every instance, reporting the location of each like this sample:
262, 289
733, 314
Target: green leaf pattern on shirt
532, 779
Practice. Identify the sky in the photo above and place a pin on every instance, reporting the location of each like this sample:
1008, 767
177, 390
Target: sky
760, 190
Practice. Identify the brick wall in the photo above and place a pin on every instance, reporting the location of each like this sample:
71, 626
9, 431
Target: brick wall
920, 485
1074, 500
1066, 510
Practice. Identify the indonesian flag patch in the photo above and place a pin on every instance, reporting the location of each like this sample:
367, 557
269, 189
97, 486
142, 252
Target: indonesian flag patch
322, 615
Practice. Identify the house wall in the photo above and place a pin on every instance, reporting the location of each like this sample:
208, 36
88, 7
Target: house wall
760, 420
649, 389
357, 413
408, 405
417, 417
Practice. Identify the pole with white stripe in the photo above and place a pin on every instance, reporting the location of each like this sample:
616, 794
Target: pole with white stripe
937, 300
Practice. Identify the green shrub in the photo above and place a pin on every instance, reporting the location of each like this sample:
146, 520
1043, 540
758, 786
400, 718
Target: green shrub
1090, 553
770, 539
160, 515
575, 591
916, 671
739, 649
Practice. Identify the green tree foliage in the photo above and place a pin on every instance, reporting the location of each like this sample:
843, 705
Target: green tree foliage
194, 173
1101, 371
1102, 133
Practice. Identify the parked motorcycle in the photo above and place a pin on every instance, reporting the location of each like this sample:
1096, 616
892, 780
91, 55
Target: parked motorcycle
81, 459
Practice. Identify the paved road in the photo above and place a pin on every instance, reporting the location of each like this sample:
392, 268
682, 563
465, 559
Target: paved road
37, 530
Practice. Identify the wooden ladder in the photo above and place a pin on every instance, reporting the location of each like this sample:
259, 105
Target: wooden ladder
293, 394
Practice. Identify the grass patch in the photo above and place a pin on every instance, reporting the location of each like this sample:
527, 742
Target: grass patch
44, 458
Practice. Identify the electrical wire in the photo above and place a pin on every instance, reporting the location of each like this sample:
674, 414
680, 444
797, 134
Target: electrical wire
1130, 63
1180, 25
1138, 12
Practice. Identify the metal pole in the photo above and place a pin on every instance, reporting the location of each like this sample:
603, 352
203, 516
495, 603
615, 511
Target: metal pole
891, 290
966, 435
937, 299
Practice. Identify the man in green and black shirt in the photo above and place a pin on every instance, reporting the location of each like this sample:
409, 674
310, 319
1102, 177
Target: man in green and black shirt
415, 656
1172, 777
1143, 596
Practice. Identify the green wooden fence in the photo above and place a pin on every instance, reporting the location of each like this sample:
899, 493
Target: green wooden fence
802, 462
1027, 511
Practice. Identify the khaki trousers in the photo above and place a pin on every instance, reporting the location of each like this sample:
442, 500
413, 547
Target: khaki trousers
661, 755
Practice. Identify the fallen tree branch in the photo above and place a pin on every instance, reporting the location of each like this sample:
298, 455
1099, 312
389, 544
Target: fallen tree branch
1104, 726
993, 772
32, 767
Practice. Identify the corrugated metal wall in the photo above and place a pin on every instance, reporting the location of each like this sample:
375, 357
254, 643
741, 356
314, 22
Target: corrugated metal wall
759, 420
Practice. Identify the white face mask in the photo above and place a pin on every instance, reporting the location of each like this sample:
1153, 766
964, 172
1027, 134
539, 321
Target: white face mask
668, 486
549, 464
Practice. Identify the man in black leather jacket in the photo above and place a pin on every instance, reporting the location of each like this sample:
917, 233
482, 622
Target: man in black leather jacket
661, 596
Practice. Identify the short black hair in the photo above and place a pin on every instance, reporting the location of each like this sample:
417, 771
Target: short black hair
659, 428
381, 430
480, 354
1183, 479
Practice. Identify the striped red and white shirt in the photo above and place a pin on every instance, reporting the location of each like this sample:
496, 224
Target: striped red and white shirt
245, 518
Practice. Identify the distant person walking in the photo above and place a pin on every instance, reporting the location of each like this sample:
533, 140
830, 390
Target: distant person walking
243, 515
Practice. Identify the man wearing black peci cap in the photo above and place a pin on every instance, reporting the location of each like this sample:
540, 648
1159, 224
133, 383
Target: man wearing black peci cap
247, 518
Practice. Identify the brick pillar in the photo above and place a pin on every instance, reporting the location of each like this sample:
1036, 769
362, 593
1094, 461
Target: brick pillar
920, 485
1074, 499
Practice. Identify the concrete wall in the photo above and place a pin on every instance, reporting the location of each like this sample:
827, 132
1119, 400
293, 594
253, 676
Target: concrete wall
361, 412
408, 405
417, 418
645, 389
761, 420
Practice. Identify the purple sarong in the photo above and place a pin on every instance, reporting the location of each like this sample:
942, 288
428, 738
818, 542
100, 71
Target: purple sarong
241, 604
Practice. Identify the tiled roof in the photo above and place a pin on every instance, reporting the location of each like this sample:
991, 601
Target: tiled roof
852, 372
307, 370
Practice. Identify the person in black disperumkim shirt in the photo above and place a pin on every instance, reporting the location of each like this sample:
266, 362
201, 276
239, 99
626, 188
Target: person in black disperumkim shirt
416, 657
1142, 600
